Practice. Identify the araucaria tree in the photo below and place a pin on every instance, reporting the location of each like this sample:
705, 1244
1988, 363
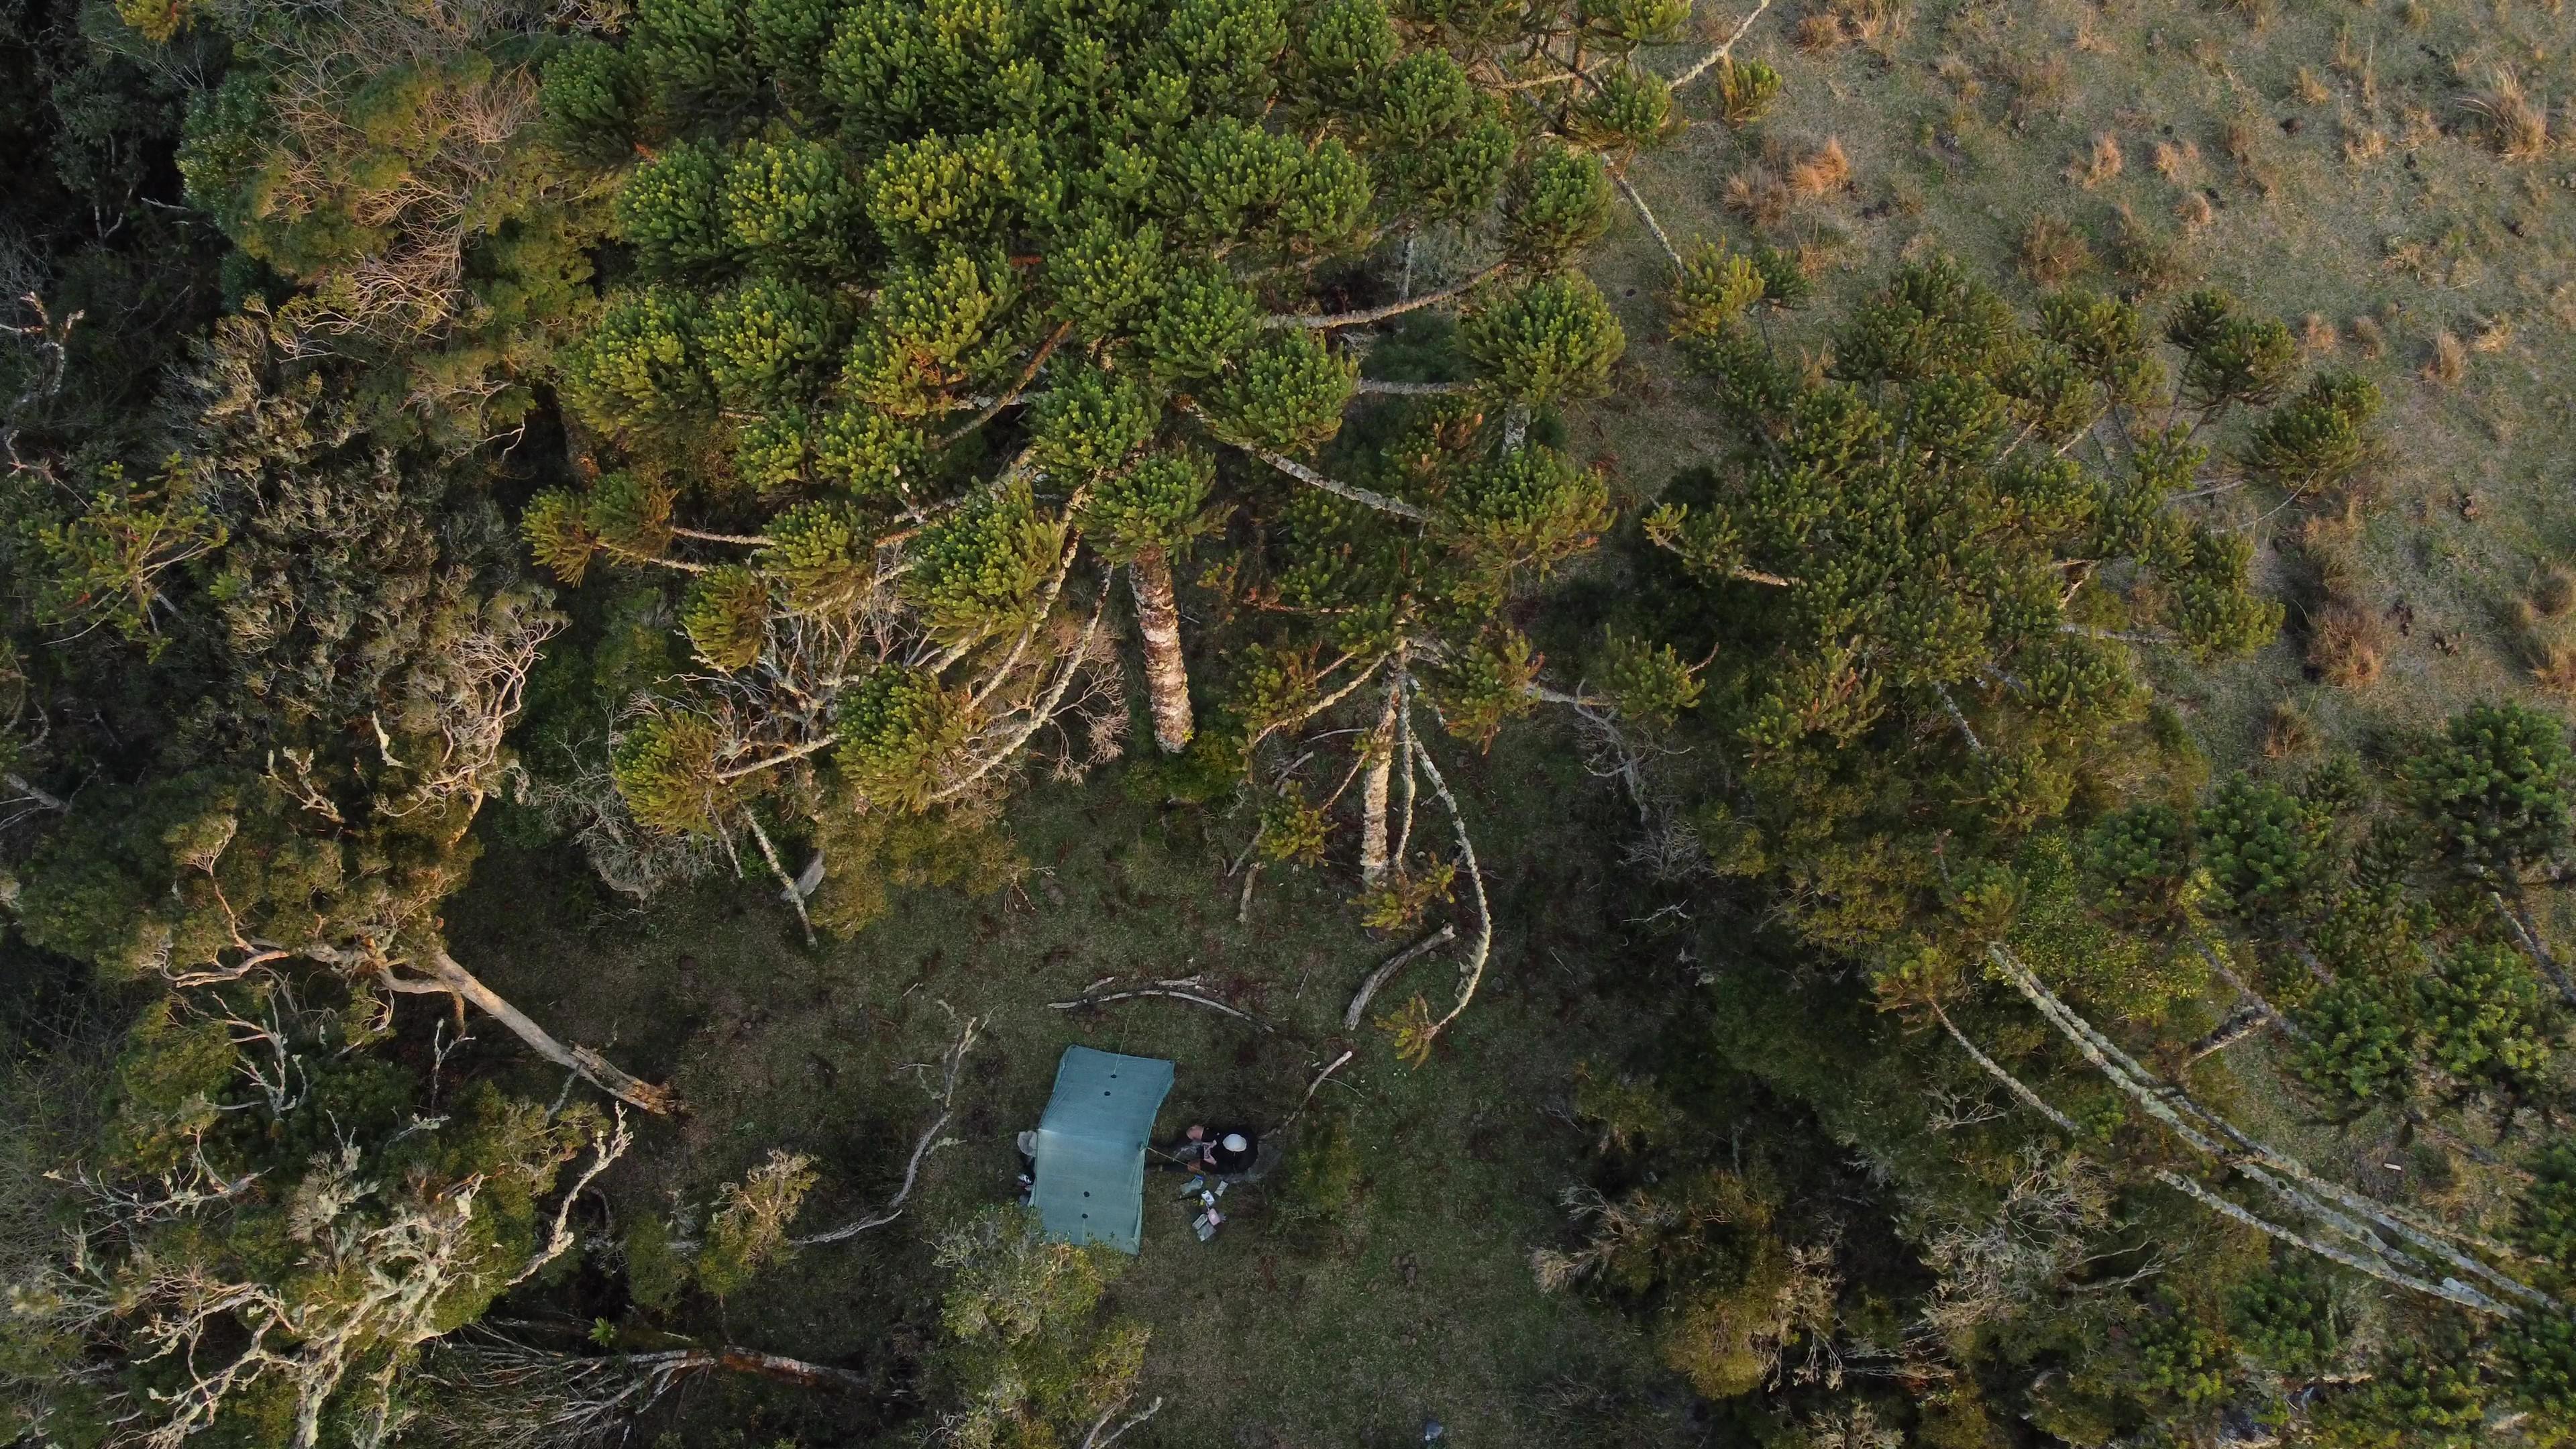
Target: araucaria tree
931, 322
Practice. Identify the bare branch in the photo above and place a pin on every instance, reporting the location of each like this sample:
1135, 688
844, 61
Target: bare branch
1377, 979
1366, 315
928, 1142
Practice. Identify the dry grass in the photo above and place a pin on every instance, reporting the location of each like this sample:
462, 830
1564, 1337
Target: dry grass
1757, 194
2554, 672
2318, 336
2495, 334
2177, 162
2359, 67
2052, 251
2370, 337
2363, 144
1837, 23
2288, 732
2309, 88
2347, 645
1821, 172
2553, 593
2099, 163
2194, 212
2449, 360
2514, 124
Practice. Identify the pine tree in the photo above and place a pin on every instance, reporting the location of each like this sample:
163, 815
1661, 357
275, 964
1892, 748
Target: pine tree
934, 330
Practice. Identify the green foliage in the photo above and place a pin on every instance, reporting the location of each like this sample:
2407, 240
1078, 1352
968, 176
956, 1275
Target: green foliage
2286, 1319
2142, 857
895, 727
666, 768
2266, 848
1286, 394
1713, 289
1650, 682
748, 1230
1022, 1350
2320, 439
2181, 1356
2228, 357
762, 341
1552, 340
1745, 91
2495, 790
1558, 203
2358, 1037
1160, 503
979, 570
726, 616
2424, 1396
1089, 425
2482, 1016
639, 371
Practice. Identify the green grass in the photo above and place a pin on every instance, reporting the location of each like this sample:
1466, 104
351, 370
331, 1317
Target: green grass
1420, 1304
1961, 122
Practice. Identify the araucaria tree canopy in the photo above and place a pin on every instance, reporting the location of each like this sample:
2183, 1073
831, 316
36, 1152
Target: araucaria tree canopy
930, 321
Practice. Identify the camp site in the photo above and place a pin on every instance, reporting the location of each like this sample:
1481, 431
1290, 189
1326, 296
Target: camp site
1292, 724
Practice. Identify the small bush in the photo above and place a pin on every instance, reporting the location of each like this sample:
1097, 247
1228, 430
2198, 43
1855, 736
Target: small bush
2349, 645
2100, 163
2053, 251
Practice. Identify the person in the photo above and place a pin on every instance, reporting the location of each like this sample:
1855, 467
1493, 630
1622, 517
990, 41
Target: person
1230, 1154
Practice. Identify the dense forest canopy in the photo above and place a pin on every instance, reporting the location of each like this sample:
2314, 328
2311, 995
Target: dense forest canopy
606, 608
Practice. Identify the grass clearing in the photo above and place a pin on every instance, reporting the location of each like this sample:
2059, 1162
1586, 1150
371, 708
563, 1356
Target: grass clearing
1420, 1304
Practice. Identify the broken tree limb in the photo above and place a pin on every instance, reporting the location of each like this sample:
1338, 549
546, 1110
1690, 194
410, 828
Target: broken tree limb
929, 1141
1366, 315
1472, 974
444, 977
1723, 52
2371, 1264
1646, 214
1349, 491
1103, 998
2285, 1177
778, 868
1315, 1086
1377, 979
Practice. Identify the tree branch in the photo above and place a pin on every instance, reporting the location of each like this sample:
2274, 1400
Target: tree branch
922, 1146
1383, 974
1366, 315
1358, 495
446, 978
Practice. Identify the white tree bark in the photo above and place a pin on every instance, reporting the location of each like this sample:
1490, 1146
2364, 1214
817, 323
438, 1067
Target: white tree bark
1374, 789
444, 977
1158, 622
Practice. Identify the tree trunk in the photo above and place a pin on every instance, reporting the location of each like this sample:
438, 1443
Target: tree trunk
1373, 792
1167, 679
446, 977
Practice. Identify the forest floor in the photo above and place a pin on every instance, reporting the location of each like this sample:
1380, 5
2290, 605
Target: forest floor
1418, 1304
2322, 160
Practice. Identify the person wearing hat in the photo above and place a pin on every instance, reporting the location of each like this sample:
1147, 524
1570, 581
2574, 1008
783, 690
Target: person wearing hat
1230, 1154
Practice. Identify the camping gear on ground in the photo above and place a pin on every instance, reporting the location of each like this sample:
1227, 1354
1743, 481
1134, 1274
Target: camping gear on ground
1206, 1223
1090, 1149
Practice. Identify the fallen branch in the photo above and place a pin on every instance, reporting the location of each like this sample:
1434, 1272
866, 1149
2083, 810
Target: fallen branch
1093, 1440
1646, 214
1723, 52
446, 978
1383, 974
1103, 998
922, 1147
1315, 1086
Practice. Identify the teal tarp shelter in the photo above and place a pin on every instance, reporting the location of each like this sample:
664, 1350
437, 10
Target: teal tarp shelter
1091, 1146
